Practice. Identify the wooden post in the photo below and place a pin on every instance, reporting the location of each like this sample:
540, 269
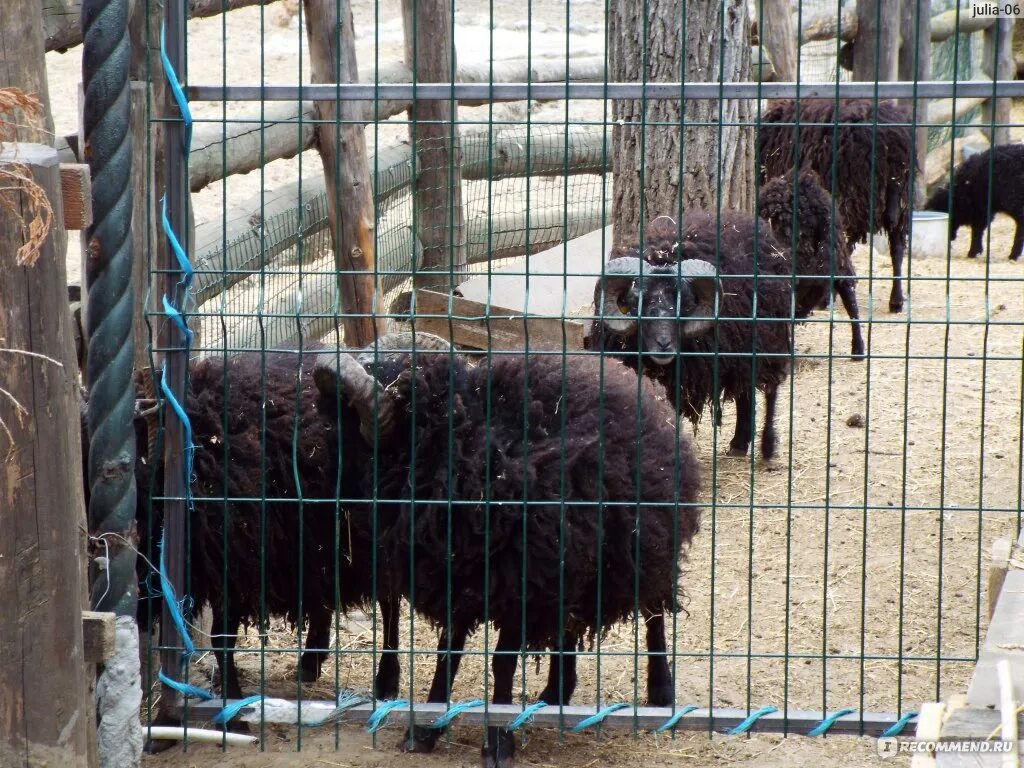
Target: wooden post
437, 202
44, 711
342, 147
916, 44
778, 36
874, 38
997, 62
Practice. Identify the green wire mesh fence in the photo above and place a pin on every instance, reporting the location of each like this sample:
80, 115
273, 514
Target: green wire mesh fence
845, 575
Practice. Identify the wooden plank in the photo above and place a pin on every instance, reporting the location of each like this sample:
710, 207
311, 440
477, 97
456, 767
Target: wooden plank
342, 148
490, 327
942, 27
1004, 640
97, 636
938, 162
439, 219
997, 572
929, 728
43, 704
76, 195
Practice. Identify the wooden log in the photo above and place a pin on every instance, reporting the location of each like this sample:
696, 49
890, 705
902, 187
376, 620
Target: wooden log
997, 62
945, 111
76, 195
217, 151
97, 636
43, 703
938, 163
778, 37
491, 327
877, 42
144, 217
915, 65
437, 190
942, 26
62, 19
342, 148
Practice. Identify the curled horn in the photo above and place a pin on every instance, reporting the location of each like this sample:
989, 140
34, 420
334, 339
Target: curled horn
403, 341
340, 370
620, 274
703, 278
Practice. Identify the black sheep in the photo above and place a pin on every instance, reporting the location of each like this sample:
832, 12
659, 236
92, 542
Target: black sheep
872, 160
508, 469
821, 253
657, 316
230, 464
970, 198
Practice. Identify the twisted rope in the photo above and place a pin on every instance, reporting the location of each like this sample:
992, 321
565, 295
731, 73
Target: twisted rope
822, 728
108, 273
897, 728
598, 717
379, 716
752, 718
671, 723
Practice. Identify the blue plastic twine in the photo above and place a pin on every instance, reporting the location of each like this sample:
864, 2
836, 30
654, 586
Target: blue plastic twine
822, 727
183, 689
671, 723
176, 91
747, 724
233, 709
597, 718
525, 716
380, 715
454, 712
897, 728
172, 605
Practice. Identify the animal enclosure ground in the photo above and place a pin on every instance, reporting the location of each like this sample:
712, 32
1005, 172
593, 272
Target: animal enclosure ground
814, 562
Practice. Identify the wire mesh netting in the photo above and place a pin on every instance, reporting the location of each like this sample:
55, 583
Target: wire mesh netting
394, 503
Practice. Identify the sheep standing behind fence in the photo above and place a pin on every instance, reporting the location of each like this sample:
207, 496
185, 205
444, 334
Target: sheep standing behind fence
821, 255
870, 149
541, 497
668, 316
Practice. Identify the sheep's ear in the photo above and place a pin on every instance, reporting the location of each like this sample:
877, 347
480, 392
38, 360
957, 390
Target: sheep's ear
334, 372
703, 279
620, 277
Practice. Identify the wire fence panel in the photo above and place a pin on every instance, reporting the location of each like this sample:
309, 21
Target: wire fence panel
715, 432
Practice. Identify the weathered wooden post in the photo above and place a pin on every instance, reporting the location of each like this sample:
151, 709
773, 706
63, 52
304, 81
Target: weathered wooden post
778, 36
876, 49
44, 708
998, 63
342, 148
437, 182
915, 64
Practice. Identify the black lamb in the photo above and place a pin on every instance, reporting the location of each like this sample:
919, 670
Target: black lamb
235, 407
872, 161
669, 316
516, 464
969, 203
821, 253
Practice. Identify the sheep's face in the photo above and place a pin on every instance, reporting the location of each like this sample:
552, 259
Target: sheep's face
658, 305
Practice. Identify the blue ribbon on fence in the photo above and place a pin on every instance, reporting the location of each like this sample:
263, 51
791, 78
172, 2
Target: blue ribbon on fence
671, 723
897, 728
752, 718
183, 688
599, 716
525, 716
821, 728
234, 708
380, 715
454, 712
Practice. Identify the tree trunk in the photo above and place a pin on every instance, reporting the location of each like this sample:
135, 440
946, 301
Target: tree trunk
778, 36
716, 162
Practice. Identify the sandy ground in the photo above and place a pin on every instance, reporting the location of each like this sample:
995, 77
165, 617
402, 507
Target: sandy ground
857, 541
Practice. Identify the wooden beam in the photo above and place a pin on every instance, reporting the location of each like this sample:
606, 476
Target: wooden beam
929, 728
942, 27
997, 62
477, 325
76, 195
62, 19
342, 148
44, 710
98, 636
940, 161
438, 217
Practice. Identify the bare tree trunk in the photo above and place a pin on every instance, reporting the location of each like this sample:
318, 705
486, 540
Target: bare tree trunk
707, 163
778, 36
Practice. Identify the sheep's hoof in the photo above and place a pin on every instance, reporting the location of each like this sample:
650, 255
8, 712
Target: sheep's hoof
420, 740
737, 451
500, 749
896, 305
660, 695
1014, 256
309, 667
857, 355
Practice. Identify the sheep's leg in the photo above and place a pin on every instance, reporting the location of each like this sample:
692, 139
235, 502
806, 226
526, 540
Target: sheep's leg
501, 744
848, 295
449, 653
976, 247
740, 443
225, 635
318, 637
1018, 237
768, 440
660, 691
385, 684
897, 249
561, 673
